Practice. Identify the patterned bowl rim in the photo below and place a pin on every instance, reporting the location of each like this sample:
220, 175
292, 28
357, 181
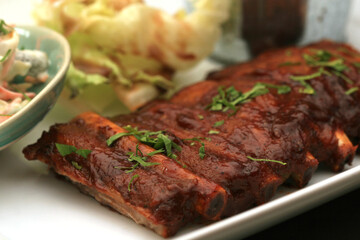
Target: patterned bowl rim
53, 82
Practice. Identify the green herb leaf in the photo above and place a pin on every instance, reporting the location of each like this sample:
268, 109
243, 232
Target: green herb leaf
281, 89
230, 98
201, 117
139, 157
197, 139
65, 150
76, 165
219, 123
131, 181
306, 77
202, 151
156, 152
345, 78
352, 90
83, 152
265, 160
356, 64
158, 142
289, 64
3, 59
213, 132
116, 137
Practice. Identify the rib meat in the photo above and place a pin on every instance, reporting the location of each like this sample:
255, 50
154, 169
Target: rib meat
299, 130
159, 190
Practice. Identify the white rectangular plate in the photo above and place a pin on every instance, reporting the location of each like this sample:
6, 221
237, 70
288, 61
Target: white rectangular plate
33, 202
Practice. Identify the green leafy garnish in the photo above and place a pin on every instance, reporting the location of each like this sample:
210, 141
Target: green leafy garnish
65, 150
197, 139
281, 89
289, 64
213, 132
302, 80
155, 152
139, 157
76, 165
265, 160
321, 59
306, 77
3, 59
352, 90
230, 98
202, 151
115, 137
131, 181
219, 123
201, 117
156, 140
356, 64
345, 78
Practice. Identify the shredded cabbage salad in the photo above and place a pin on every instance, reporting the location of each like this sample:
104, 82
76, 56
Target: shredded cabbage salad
125, 43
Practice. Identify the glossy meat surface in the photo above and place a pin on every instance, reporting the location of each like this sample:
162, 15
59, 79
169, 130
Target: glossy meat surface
159, 190
296, 131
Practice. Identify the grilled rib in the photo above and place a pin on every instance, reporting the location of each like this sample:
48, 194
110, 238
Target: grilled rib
299, 130
159, 190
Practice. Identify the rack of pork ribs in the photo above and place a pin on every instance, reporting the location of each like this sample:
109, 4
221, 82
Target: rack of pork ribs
295, 128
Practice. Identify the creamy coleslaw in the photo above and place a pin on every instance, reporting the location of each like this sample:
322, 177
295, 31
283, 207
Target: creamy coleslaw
30, 64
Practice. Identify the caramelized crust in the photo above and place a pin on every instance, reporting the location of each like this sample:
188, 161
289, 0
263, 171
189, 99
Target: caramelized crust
299, 130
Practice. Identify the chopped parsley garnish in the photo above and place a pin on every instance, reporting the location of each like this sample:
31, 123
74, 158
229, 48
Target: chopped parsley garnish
352, 90
3, 59
197, 139
289, 64
155, 152
202, 151
140, 159
76, 165
131, 181
201, 117
230, 98
306, 77
265, 160
202, 147
288, 53
356, 64
156, 140
321, 59
302, 80
213, 132
65, 150
219, 123
346, 79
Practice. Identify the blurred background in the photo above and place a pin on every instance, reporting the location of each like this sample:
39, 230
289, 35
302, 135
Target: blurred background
257, 25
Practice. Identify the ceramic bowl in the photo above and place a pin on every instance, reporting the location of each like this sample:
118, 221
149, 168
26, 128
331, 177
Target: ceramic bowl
58, 51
